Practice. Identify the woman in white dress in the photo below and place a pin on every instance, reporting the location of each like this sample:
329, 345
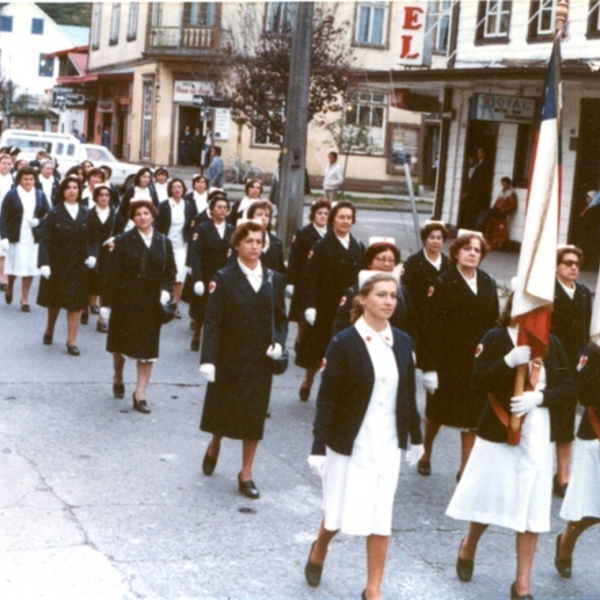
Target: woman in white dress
511, 485
6, 184
581, 506
366, 411
199, 198
161, 183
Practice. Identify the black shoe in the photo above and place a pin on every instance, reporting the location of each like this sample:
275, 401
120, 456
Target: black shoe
515, 596
458, 476
3, 287
8, 298
85, 317
73, 350
47, 339
304, 393
25, 308
424, 468
464, 567
140, 405
563, 565
118, 390
363, 596
102, 327
209, 463
312, 571
94, 310
248, 489
195, 345
558, 489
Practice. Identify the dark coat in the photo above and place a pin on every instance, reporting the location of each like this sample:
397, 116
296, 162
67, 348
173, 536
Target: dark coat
99, 233
346, 388
135, 277
12, 214
302, 242
163, 219
492, 374
126, 201
237, 334
65, 244
272, 258
207, 253
588, 389
455, 321
330, 271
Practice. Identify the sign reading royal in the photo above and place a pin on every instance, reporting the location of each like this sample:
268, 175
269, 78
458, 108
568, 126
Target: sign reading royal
184, 91
502, 109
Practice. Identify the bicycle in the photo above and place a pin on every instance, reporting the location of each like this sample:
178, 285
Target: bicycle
238, 173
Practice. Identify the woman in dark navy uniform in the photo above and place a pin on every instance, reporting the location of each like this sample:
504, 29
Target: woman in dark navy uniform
66, 254
208, 252
302, 242
199, 198
142, 189
332, 267
272, 254
244, 299
239, 209
462, 306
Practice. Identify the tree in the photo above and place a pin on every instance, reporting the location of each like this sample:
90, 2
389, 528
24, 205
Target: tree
68, 13
260, 76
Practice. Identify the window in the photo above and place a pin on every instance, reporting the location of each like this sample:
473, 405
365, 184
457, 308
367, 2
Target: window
365, 119
541, 20
96, 22
114, 23
147, 107
156, 17
371, 23
37, 26
523, 151
6, 23
46, 67
199, 14
280, 17
132, 23
593, 28
493, 22
441, 34
263, 136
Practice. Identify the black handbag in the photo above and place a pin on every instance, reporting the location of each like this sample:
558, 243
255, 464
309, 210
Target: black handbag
278, 365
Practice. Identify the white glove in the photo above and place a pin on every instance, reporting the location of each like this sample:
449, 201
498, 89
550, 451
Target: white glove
430, 381
45, 271
521, 405
109, 241
316, 462
199, 288
274, 351
289, 290
208, 372
34, 223
188, 270
105, 312
4, 244
164, 296
519, 355
310, 315
90, 262
414, 454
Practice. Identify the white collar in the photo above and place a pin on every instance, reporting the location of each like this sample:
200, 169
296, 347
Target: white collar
569, 291
368, 334
257, 272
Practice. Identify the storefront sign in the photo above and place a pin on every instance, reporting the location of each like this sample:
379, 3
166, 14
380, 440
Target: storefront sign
221, 120
184, 91
412, 34
502, 109
105, 106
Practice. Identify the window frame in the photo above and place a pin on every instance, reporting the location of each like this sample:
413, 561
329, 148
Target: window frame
132, 21
371, 5
96, 26
485, 15
39, 23
365, 99
147, 118
535, 14
8, 19
203, 13
593, 24
282, 23
443, 14
45, 72
115, 24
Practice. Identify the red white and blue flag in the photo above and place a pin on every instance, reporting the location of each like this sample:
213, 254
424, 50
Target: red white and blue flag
534, 292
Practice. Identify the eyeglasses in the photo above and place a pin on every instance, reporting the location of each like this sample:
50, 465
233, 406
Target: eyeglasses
571, 263
385, 260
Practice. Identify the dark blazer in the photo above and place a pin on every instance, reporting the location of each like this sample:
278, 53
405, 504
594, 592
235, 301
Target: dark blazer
346, 387
12, 213
127, 197
492, 374
100, 232
163, 219
588, 389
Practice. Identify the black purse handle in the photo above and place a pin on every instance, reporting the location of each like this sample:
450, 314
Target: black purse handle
270, 281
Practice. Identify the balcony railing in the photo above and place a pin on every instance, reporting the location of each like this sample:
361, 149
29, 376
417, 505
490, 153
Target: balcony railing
182, 38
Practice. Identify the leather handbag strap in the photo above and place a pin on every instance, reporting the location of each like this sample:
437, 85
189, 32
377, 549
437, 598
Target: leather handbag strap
499, 411
593, 417
270, 280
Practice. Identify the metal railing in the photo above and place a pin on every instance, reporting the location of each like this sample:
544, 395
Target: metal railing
182, 37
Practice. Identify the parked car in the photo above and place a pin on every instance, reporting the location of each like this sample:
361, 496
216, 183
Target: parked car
122, 173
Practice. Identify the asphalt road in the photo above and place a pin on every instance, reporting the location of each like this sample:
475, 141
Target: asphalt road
100, 502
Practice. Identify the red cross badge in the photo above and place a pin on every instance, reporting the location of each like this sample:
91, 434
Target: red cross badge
323, 363
478, 350
582, 362
430, 291
310, 254
195, 237
212, 286
342, 300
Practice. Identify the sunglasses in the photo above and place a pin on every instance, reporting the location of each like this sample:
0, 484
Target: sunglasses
571, 263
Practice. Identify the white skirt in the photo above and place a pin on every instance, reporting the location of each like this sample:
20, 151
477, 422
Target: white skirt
180, 256
21, 259
509, 486
583, 492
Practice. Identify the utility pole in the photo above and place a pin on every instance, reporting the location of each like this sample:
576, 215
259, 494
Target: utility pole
293, 161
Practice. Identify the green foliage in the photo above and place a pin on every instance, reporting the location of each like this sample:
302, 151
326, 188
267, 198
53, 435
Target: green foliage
68, 13
351, 138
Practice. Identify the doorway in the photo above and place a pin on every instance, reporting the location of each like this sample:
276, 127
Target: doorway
189, 137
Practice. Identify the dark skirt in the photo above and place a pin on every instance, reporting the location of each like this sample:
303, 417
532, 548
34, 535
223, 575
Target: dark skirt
66, 289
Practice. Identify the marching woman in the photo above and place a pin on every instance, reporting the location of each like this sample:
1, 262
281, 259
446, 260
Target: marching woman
6, 183
142, 189
581, 507
161, 183
114, 192
511, 485
272, 253
141, 271
174, 220
332, 267
47, 182
23, 210
65, 256
95, 177
366, 411
198, 197
208, 252
239, 210
302, 242
462, 306
244, 300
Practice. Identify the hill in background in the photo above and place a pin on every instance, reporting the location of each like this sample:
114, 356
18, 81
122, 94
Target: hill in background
68, 13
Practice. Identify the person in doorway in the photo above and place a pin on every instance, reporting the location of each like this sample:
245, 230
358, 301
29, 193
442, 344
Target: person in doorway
185, 146
504, 205
334, 177
477, 196
197, 145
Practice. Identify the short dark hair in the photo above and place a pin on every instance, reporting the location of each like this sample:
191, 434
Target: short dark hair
334, 153
25, 171
264, 204
560, 253
250, 182
507, 179
99, 188
316, 206
160, 170
217, 150
175, 180
198, 177
60, 196
97, 171
106, 168
243, 231
464, 240
139, 174
215, 197
337, 207
428, 228
136, 204
372, 251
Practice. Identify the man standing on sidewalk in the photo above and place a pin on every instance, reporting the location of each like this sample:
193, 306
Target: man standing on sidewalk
334, 177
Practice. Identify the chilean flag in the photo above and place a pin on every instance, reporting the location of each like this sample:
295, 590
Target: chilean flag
534, 293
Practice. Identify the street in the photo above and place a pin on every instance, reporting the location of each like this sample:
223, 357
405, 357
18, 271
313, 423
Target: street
100, 502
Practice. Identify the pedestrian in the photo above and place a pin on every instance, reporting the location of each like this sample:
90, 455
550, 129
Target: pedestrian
245, 327
106, 138
185, 146
275, 182
140, 275
161, 183
302, 242
23, 210
174, 220
334, 177
366, 412
115, 197
462, 306
216, 169
478, 190
571, 314
6, 183
198, 196
208, 252
142, 189
66, 254
46, 181
239, 209
511, 485
272, 252
197, 145
332, 267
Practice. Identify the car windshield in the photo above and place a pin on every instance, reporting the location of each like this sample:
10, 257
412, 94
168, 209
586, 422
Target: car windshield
99, 154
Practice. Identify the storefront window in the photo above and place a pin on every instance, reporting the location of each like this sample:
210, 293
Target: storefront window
148, 104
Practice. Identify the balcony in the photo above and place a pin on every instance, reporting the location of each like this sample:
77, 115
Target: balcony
182, 40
